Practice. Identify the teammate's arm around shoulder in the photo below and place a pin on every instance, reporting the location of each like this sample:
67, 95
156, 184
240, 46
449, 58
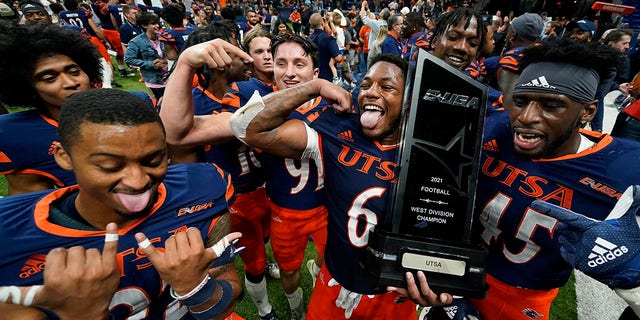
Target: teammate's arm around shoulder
262, 122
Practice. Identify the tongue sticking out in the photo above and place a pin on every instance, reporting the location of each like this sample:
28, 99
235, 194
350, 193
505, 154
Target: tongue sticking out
369, 119
135, 202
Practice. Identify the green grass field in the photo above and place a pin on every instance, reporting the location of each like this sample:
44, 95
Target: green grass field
564, 307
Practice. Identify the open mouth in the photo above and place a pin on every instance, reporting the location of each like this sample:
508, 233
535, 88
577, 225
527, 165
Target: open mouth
526, 141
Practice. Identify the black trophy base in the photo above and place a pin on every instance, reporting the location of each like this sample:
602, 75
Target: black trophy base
449, 268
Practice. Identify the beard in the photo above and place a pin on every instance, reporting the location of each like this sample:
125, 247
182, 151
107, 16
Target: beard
549, 150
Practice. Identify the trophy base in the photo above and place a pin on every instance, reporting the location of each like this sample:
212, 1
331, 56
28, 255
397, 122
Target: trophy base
449, 268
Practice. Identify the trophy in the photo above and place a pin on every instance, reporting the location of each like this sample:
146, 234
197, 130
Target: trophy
431, 228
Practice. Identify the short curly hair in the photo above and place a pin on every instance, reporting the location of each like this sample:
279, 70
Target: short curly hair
23, 46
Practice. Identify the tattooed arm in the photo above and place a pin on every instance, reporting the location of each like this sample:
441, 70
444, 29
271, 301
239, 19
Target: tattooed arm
263, 123
226, 272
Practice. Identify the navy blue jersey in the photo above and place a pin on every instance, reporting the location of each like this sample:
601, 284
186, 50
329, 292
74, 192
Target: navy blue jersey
233, 156
78, 18
101, 11
129, 31
359, 175
240, 92
152, 9
296, 184
26, 146
192, 195
176, 36
522, 251
115, 10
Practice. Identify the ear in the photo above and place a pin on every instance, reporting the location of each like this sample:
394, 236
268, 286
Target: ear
316, 72
589, 111
62, 157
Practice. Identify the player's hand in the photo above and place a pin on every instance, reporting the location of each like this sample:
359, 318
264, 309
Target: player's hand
79, 283
346, 299
339, 98
185, 261
420, 292
609, 250
215, 53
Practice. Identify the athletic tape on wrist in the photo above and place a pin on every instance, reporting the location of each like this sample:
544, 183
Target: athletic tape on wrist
198, 295
226, 297
240, 119
31, 293
15, 294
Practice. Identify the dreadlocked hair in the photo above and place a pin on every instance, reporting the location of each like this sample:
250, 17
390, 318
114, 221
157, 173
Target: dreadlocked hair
453, 18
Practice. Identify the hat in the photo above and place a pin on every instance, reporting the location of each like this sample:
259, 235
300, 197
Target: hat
585, 25
31, 7
405, 10
293, 7
528, 26
7, 11
343, 22
307, 3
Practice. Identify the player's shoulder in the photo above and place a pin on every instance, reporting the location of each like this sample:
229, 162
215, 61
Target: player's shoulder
20, 206
331, 124
624, 147
197, 175
13, 123
199, 180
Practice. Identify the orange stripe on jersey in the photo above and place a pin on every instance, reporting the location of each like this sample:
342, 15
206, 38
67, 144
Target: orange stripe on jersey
308, 107
226, 177
41, 173
49, 120
41, 215
212, 224
209, 94
231, 99
384, 148
604, 138
4, 158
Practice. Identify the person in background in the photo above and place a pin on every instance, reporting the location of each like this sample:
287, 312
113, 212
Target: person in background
147, 52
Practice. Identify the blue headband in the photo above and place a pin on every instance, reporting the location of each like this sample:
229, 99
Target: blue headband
575, 82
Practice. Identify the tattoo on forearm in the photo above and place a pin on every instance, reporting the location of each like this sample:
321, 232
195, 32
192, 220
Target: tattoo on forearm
219, 230
279, 105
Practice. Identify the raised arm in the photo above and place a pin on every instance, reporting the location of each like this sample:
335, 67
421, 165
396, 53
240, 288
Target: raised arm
183, 128
262, 122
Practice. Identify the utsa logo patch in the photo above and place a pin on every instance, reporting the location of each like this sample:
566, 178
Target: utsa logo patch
193, 209
33, 265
